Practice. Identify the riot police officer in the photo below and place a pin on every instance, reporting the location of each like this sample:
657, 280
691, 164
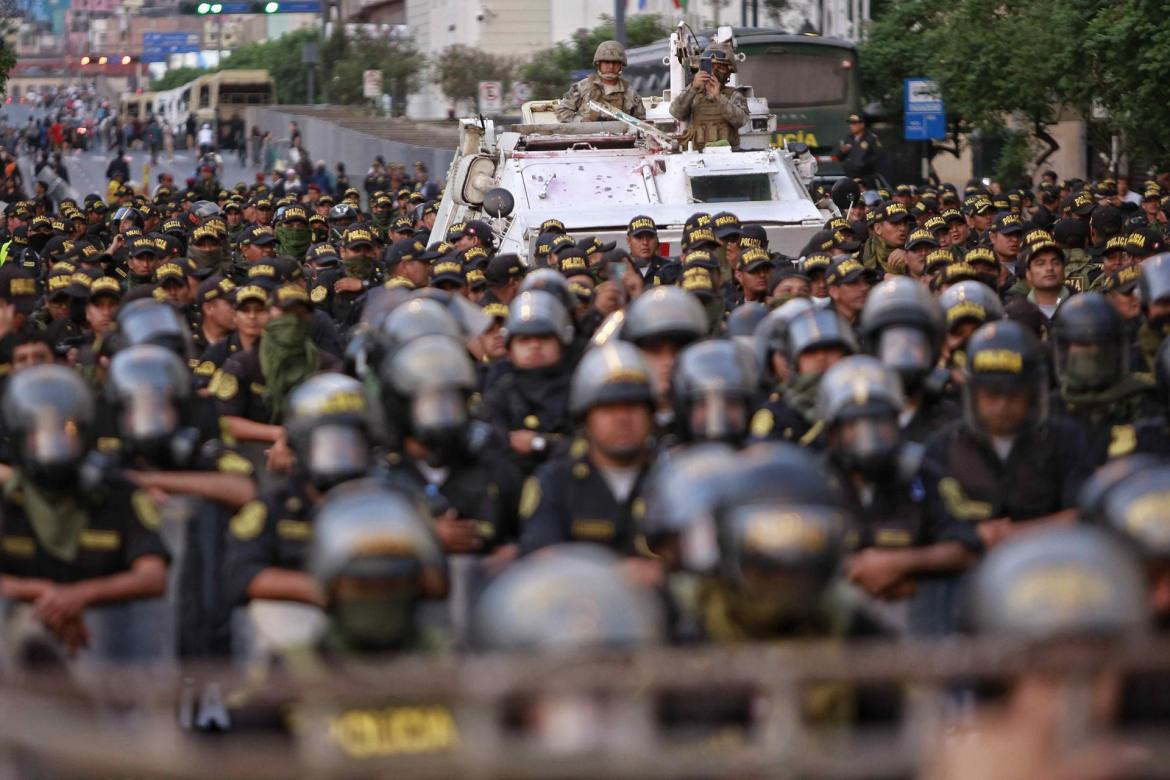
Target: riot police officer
966, 306
374, 559
816, 339
1155, 297
72, 539
661, 323
604, 86
714, 389
895, 545
425, 389
902, 326
1006, 464
592, 493
714, 111
528, 405
1096, 387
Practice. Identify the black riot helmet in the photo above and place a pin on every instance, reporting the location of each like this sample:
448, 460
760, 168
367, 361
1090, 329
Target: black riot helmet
569, 598
859, 400
1138, 508
771, 337
969, 302
552, 282
681, 492
902, 326
1155, 281
538, 313
1094, 494
425, 388
49, 412
1005, 357
1091, 347
375, 556
341, 216
665, 314
1058, 583
610, 374
147, 321
149, 389
744, 319
328, 423
408, 321
714, 389
780, 521
817, 329
127, 213
205, 210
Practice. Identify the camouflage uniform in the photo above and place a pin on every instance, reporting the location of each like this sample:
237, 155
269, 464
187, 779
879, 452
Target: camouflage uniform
573, 107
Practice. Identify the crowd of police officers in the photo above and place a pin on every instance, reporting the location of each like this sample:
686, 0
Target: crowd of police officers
947, 413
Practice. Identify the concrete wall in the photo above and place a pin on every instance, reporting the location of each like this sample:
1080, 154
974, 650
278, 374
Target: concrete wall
329, 142
1068, 161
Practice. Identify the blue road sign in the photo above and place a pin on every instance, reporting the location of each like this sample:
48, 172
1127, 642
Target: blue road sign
158, 47
300, 6
925, 116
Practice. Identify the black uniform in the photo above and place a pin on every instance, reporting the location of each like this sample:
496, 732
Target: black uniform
273, 531
569, 500
535, 400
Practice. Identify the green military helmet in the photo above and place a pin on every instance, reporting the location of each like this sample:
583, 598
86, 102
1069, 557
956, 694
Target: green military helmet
328, 422
569, 598
665, 314
1059, 582
375, 555
1090, 343
610, 374
610, 51
722, 53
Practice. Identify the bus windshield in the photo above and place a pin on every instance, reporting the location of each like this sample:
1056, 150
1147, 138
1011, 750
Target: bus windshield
795, 80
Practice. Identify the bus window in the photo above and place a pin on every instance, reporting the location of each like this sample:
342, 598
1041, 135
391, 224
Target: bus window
796, 81
245, 94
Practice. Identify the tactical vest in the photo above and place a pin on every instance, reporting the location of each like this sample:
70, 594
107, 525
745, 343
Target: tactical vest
615, 99
708, 124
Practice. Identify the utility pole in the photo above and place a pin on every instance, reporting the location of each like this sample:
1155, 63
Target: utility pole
619, 21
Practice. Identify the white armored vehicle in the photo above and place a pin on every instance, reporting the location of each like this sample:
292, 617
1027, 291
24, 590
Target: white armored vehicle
596, 176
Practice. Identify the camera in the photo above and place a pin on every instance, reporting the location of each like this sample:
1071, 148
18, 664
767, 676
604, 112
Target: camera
705, 64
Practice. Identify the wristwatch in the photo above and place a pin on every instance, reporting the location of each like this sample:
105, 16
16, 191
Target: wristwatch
539, 443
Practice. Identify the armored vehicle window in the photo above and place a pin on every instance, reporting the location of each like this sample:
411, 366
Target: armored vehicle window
733, 187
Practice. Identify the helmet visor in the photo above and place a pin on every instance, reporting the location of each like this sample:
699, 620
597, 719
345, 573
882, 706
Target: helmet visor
716, 416
438, 408
52, 439
1088, 366
148, 414
338, 451
906, 350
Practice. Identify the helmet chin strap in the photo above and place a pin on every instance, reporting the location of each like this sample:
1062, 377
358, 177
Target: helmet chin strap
608, 76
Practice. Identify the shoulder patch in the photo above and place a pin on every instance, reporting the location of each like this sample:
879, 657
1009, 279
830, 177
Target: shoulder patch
319, 294
146, 510
762, 423
233, 463
205, 368
1122, 440
224, 386
529, 498
959, 505
249, 521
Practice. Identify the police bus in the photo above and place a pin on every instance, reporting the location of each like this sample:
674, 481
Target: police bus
811, 83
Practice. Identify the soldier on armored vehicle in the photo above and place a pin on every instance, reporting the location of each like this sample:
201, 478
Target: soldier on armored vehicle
606, 86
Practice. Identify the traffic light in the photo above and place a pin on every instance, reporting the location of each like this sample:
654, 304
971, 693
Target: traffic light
127, 59
85, 60
270, 7
200, 7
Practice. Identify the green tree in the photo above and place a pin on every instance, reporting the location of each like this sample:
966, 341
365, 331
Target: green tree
7, 54
549, 72
459, 69
1127, 57
400, 61
1000, 66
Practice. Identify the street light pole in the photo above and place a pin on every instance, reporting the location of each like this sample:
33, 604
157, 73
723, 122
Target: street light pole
619, 21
